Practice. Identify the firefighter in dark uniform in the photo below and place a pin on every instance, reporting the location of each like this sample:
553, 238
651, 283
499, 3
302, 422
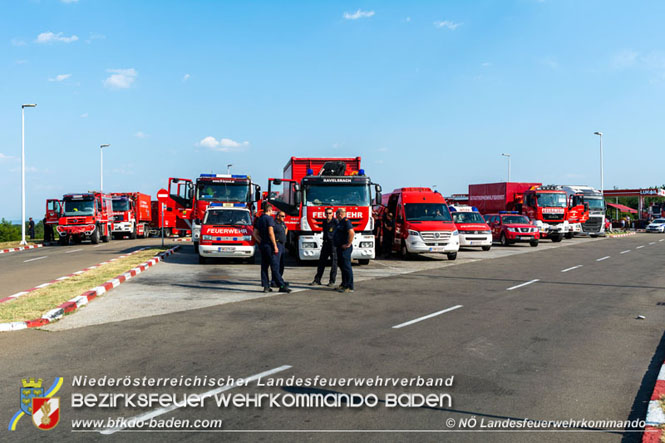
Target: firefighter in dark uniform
343, 241
327, 250
31, 228
388, 234
264, 234
280, 236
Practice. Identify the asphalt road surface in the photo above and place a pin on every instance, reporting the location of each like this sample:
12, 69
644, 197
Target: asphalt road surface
551, 334
26, 269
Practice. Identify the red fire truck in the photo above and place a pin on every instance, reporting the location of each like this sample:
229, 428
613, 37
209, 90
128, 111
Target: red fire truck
226, 232
309, 186
131, 214
546, 206
423, 223
85, 216
189, 200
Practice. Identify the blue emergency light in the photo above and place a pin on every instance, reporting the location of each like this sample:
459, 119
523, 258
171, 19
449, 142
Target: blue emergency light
361, 172
239, 176
240, 205
452, 209
216, 205
208, 175
508, 212
310, 171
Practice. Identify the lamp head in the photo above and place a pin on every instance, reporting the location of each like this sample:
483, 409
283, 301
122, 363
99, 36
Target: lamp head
29, 105
598, 133
104, 146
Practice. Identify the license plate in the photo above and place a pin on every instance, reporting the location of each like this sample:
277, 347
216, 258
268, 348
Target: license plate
435, 249
473, 243
525, 237
225, 249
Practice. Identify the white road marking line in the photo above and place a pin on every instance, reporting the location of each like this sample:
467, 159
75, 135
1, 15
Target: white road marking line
161, 411
570, 269
401, 325
603, 258
75, 250
33, 259
652, 242
523, 284
98, 246
625, 252
640, 247
662, 239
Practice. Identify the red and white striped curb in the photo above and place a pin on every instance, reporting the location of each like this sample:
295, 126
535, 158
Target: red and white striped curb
85, 298
65, 277
627, 234
655, 414
183, 239
39, 245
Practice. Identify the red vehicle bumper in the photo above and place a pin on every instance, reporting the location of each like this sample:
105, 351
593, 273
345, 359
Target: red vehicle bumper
75, 229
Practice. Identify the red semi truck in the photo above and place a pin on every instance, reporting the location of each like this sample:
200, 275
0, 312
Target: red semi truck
131, 214
308, 187
546, 206
189, 200
423, 223
86, 216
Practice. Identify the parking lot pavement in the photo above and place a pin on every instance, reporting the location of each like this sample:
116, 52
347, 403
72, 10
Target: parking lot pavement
181, 284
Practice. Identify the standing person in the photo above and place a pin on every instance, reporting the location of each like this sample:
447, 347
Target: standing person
31, 228
343, 241
280, 236
327, 250
388, 234
264, 235
48, 231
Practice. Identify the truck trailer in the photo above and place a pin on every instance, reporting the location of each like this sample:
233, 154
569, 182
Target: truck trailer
546, 206
308, 187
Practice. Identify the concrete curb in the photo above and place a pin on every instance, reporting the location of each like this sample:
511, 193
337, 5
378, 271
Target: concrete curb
655, 414
22, 248
65, 277
628, 234
86, 297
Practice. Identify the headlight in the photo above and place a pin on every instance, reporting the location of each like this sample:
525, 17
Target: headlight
414, 233
366, 244
510, 229
455, 232
486, 232
533, 230
309, 245
206, 237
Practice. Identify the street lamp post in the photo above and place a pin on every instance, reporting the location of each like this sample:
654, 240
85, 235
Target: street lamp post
508, 155
23, 242
602, 185
228, 168
101, 166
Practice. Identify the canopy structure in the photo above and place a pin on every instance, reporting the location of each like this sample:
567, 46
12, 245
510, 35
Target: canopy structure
623, 208
639, 193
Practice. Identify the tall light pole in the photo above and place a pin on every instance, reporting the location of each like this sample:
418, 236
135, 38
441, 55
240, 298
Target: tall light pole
508, 155
602, 187
23, 242
228, 169
101, 167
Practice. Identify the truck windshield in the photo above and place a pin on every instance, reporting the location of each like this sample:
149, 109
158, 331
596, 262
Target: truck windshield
595, 203
223, 192
427, 212
79, 207
121, 205
551, 200
515, 220
468, 217
228, 217
337, 195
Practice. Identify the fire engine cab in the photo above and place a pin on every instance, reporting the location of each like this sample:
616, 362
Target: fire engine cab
226, 232
473, 230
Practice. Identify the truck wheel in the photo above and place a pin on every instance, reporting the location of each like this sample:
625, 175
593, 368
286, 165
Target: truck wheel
63, 240
94, 238
533, 243
487, 248
504, 240
403, 252
202, 260
569, 235
363, 261
557, 238
452, 255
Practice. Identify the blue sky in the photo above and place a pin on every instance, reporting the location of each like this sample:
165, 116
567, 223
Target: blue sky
428, 93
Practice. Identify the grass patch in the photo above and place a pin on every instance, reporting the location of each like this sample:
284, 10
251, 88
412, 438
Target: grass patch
37, 303
17, 243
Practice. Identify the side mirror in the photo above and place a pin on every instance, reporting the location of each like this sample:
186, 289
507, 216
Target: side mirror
377, 198
297, 198
277, 181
